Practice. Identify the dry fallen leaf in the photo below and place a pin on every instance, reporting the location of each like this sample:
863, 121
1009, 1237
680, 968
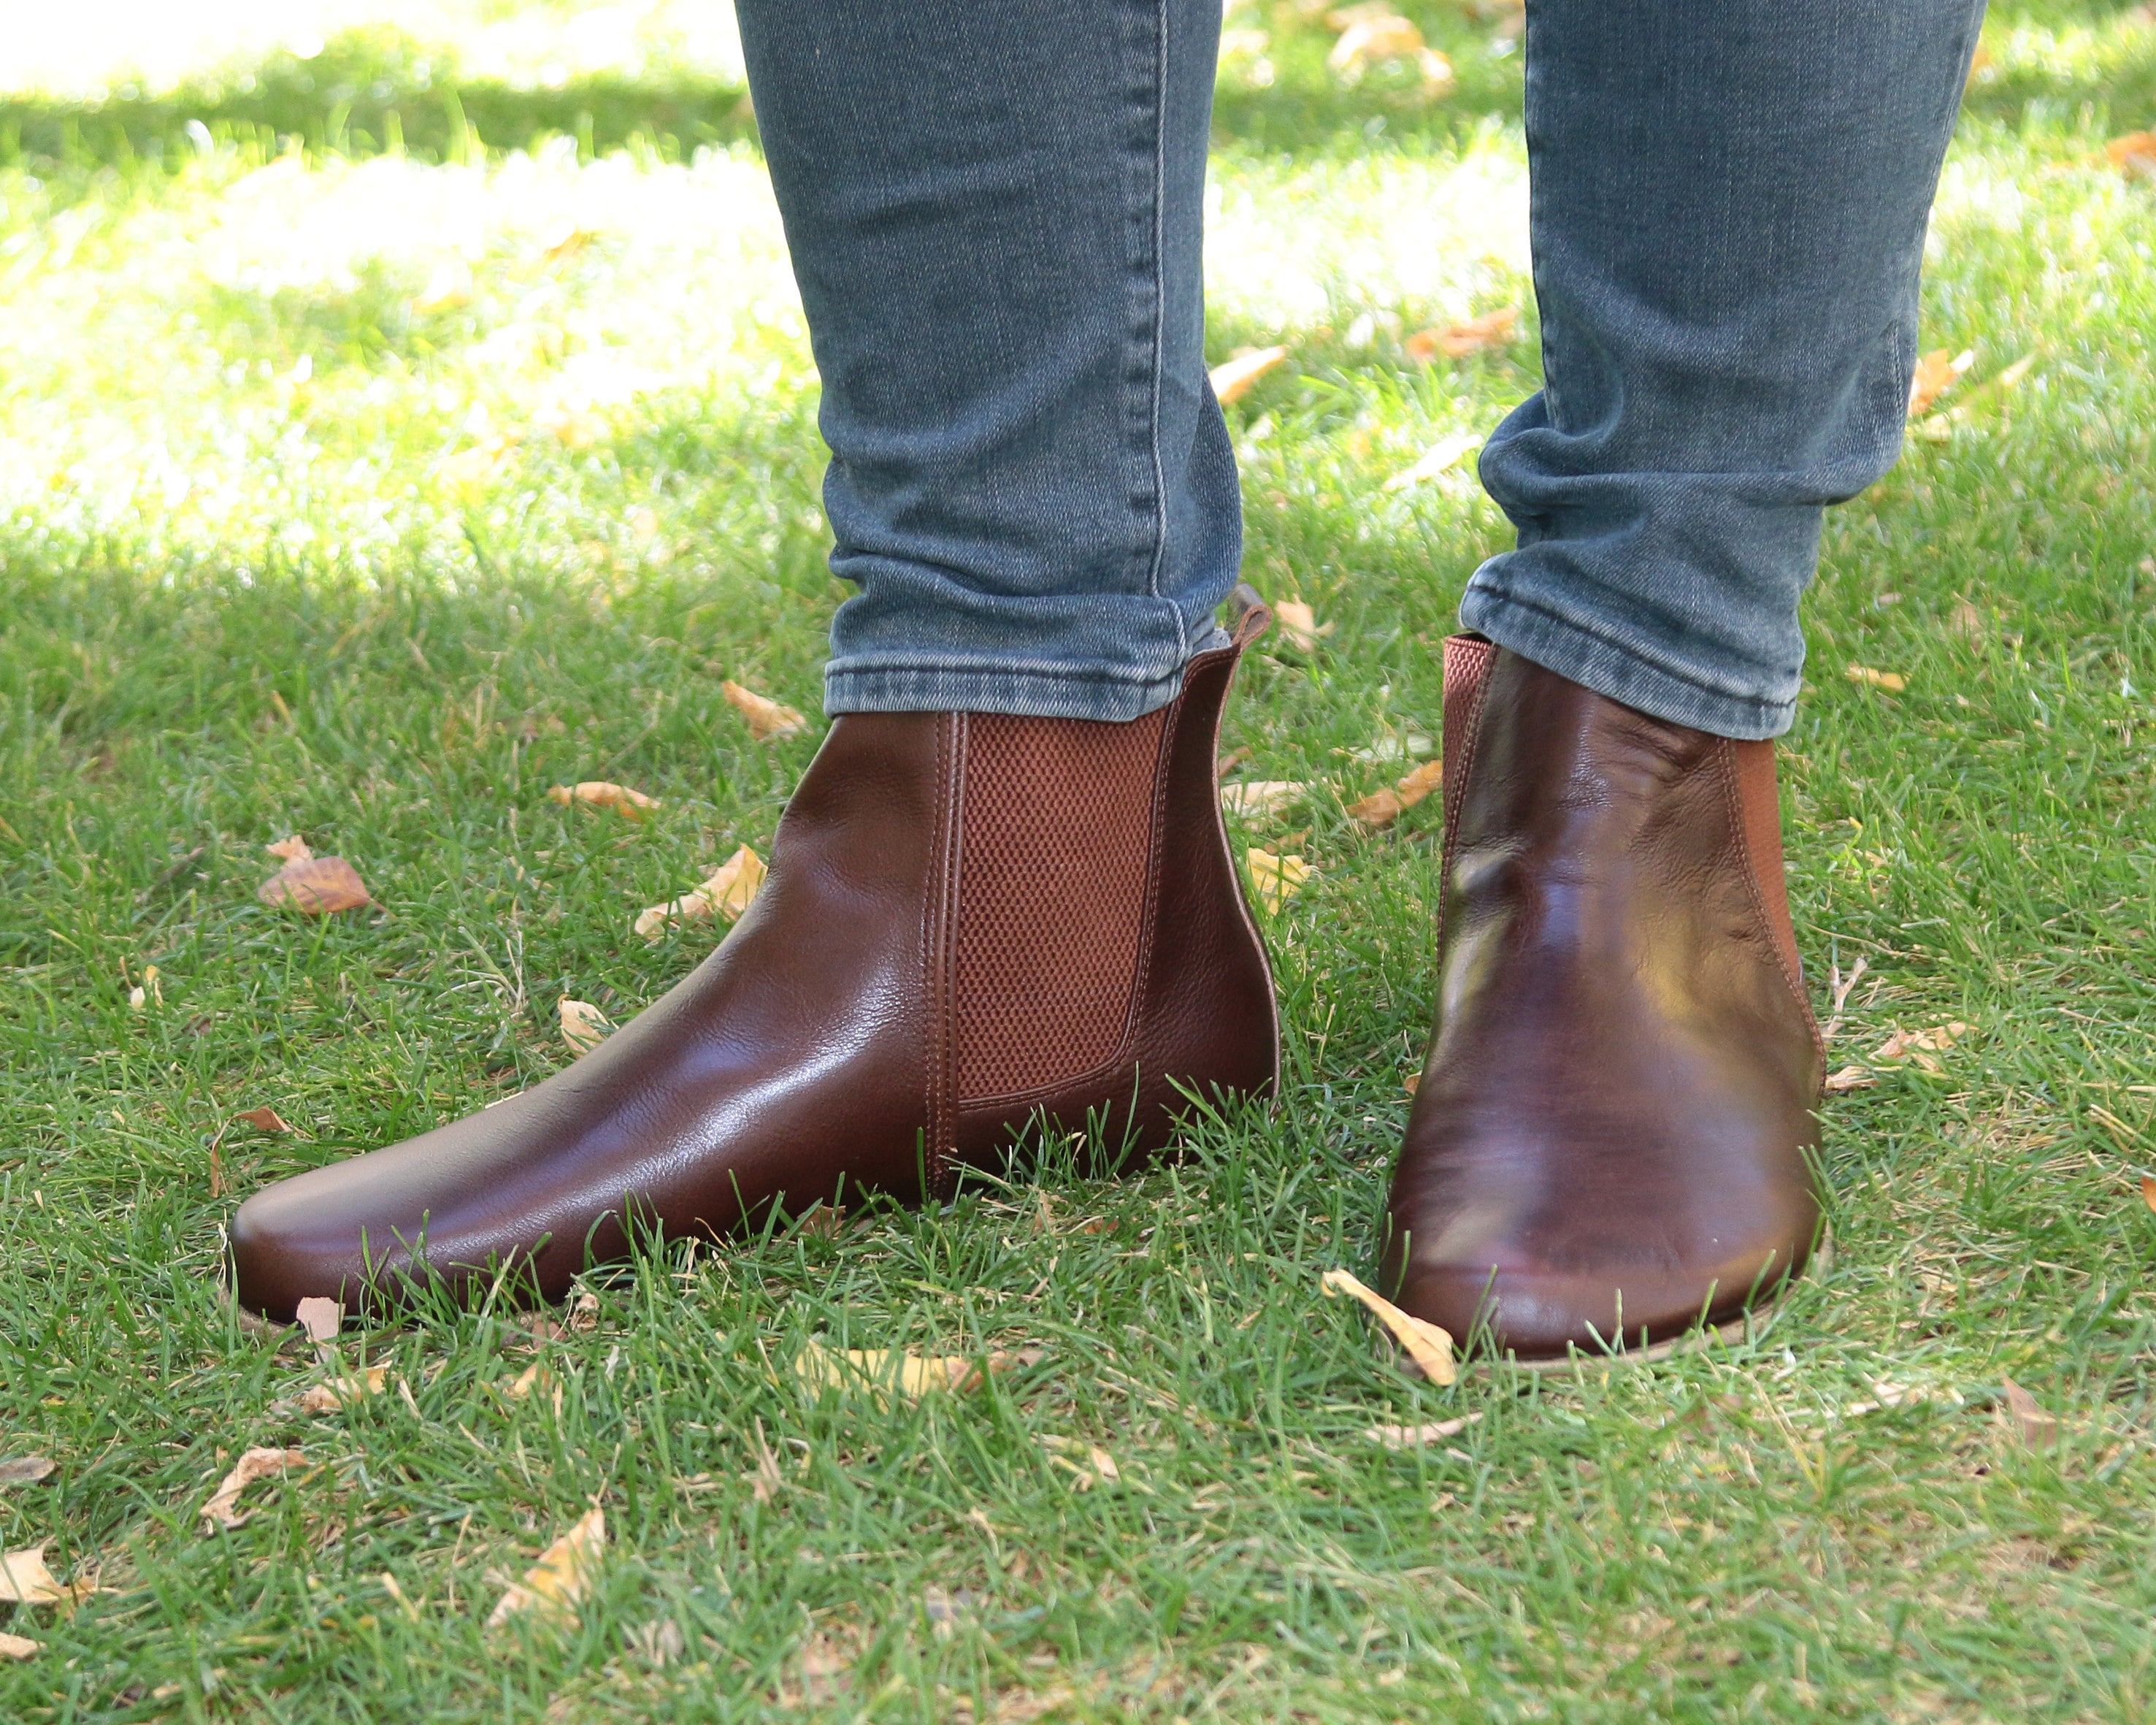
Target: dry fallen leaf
1428, 1345
222, 1505
16, 1646
600, 794
725, 895
1254, 799
1479, 335
25, 1470
1919, 1046
769, 1479
1298, 624
584, 1026
320, 886
562, 1577
1369, 37
1275, 879
24, 1580
322, 1319
341, 1392
2035, 1427
146, 990
473, 470
263, 1120
1233, 377
1440, 457
1937, 372
765, 718
1414, 1437
294, 849
1850, 1078
1382, 807
1890, 681
2148, 1197
882, 1370
2133, 155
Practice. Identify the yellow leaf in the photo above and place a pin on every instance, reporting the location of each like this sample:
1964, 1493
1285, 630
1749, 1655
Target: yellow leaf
1915, 1044
341, 1392
1441, 457
725, 895
1428, 1345
16, 1646
148, 990
1892, 681
1275, 879
222, 1506
765, 718
584, 1026
1298, 624
1254, 799
885, 1371
318, 886
1383, 807
1233, 377
1414, 1437
600, 794
1937, 372
1850, 1078
558, 1582
24, 1580
1492, 330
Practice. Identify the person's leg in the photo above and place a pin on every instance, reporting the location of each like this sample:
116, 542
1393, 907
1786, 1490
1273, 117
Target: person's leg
995, 215
1002, 890
1610, 1137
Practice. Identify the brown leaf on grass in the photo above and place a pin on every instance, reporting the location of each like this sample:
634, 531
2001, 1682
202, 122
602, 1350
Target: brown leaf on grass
2035, 1429
1965, 622
318, 886
765, 718
2133, 155
1428, 1345
1254, 799
2149, 1190
294, 849
1234, 376
584, 1026
1275, 879
603, 794
1382, 807
1298, 624
341, 1393
1937, 372
1375, 37
222, 1505
768, 1480
1919, 1046
25, 1470
1493, 330
725, 895
16, 1646
1850, 1078
558, 1583
1892, 681
24, 1580
263, 1120
1414, 1437
883, 1370
322, 1319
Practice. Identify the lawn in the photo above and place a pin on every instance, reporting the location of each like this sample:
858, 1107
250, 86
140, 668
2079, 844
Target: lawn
402, 421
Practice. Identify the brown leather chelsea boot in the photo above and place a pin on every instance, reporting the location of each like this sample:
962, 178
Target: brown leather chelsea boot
969, 921
1608, 1146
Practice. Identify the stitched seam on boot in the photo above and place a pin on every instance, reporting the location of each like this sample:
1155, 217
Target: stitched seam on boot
1725, 755
1119, 1055
939, 934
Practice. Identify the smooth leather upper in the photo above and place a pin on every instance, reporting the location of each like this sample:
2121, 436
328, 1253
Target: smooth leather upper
811, 1051
1609, 1138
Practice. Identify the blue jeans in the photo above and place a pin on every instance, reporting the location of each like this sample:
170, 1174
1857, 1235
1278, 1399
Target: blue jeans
994, 211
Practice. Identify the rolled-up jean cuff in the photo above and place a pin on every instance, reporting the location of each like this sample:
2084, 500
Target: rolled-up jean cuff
1619, 672
970, 688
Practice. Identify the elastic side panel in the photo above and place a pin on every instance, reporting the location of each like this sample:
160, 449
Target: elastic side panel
1052, 870
1761, 807
1466, 669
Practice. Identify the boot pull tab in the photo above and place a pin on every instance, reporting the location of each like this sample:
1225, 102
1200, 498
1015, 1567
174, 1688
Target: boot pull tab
1253, 615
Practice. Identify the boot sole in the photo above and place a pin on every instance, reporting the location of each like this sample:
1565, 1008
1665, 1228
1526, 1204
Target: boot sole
1692, 1341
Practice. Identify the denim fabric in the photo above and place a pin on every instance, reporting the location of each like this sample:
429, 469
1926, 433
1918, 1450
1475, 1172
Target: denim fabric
1728, 211
994, 211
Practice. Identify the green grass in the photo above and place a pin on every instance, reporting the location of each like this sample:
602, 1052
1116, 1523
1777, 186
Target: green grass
243, 600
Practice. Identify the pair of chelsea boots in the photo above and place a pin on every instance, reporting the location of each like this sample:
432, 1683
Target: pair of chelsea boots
976, 922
